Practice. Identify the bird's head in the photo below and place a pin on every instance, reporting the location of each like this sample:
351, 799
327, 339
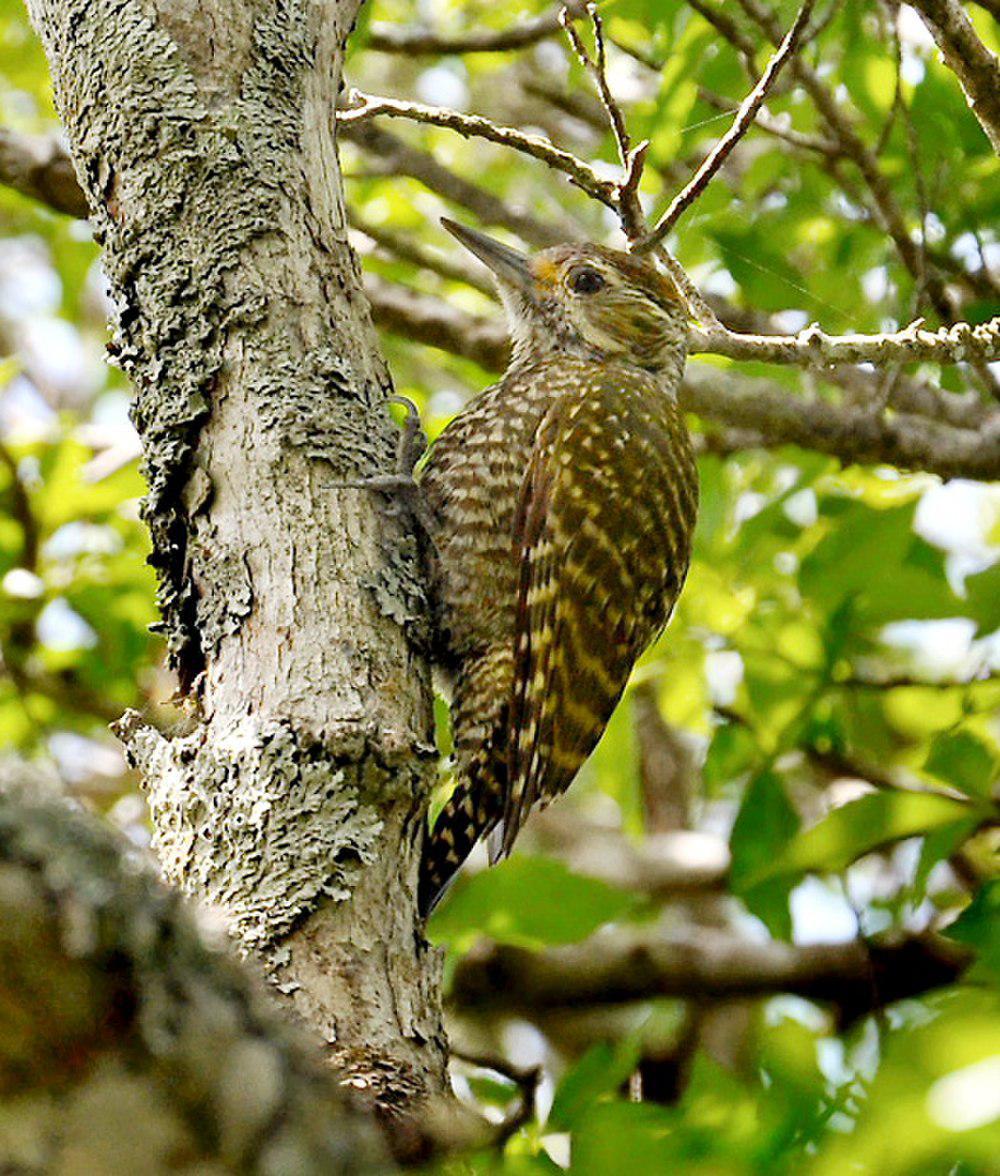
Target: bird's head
585, 297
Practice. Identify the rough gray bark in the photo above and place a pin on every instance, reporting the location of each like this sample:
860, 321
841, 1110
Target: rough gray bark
203, 137
126, 1044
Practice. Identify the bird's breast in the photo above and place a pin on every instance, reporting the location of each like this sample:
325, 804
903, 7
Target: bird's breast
628, 496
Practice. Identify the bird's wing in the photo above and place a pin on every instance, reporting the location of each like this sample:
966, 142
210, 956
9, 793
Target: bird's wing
602, 536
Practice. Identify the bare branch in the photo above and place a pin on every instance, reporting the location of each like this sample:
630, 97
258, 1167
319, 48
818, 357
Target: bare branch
964, 410
959, 343
849, 433
818, 143
365, 106
740, 125
525, 1078
667, 770
38, 166
977, 69
663, 865
599, 71
844, 145
389, 38
615, 968
432, 321
853, 147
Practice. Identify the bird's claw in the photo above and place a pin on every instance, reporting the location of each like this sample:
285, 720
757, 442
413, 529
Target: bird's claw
412, 442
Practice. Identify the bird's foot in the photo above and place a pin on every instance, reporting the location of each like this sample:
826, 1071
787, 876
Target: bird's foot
399, 490
402, 500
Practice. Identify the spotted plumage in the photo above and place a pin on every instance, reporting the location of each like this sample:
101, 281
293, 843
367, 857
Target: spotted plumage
562, 503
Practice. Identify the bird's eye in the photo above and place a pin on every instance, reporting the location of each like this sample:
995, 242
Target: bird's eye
585, 280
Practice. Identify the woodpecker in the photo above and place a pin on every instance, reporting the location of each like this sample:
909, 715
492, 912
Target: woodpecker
561, 503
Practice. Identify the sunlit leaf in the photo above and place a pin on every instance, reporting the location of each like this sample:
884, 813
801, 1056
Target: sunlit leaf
859, 827
529, 900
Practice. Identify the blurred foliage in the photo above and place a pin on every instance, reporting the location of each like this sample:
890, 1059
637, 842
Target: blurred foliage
832, 664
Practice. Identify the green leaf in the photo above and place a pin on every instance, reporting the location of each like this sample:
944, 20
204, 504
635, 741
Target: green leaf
963, 760
859, 827
624, 1137
600, 1072
731, 753
765, 824
982, 601
979, 926
529, 901
872, 561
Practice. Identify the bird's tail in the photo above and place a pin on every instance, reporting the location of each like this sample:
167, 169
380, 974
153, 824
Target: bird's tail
473, 810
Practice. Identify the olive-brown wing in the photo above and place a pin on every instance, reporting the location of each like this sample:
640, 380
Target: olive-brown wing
602, 535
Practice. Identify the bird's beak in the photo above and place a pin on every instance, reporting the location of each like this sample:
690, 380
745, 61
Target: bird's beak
509, 267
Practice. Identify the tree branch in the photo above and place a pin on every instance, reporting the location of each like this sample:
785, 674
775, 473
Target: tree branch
38, 166
402, 245
849, 433
388, 38
404, 312
362, 106
668, 776
615, 968
768, 410
663, 865
853, 148
812, 347
977, 69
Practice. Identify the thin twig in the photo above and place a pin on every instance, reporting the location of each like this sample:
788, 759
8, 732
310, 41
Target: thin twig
771, 126
362, 106
853, 148
525, 1078
599, 71
629, 208
701, 310
740, 125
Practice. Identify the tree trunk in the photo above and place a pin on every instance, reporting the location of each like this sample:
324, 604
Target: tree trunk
203, 136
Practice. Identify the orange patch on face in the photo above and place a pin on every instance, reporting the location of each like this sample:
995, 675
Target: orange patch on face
546, 272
